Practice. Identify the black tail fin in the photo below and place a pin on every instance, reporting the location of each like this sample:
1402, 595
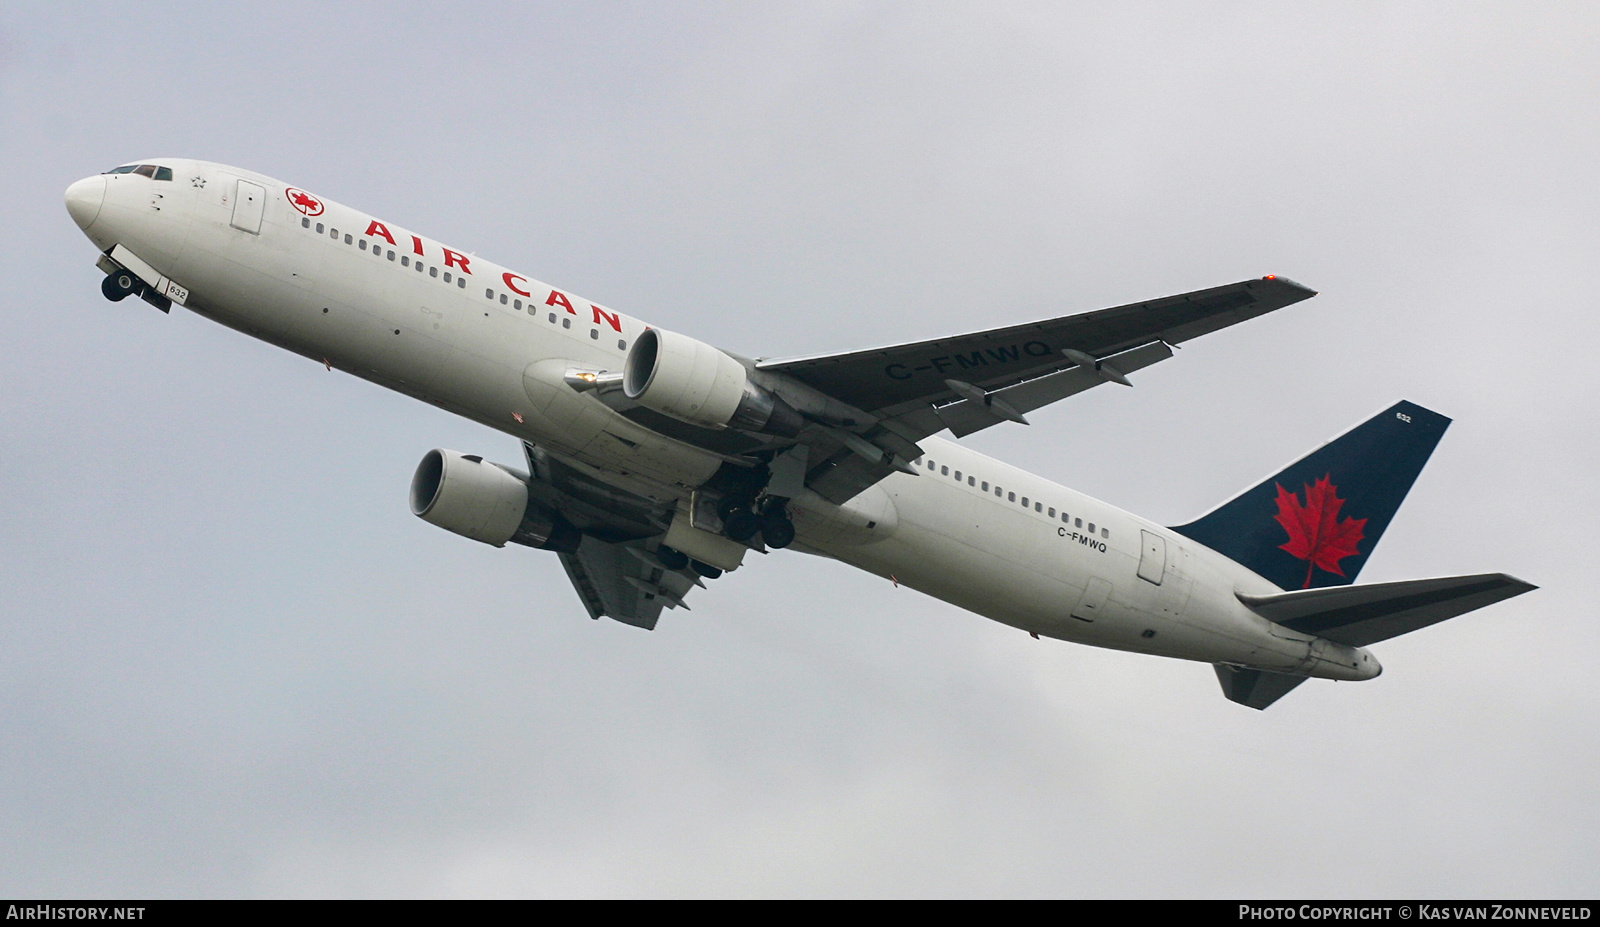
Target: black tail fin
1315, 523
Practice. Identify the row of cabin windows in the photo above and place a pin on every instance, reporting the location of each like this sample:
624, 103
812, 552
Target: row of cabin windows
1000, 493
405, 259
566, 321
460, 281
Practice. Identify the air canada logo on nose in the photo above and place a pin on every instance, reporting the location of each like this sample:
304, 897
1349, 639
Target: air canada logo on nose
303, 201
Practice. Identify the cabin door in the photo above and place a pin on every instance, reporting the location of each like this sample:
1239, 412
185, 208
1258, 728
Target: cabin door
248, 204
1153, 557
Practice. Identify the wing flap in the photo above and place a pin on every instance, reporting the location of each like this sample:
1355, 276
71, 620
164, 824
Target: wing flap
1362, 615
971, 414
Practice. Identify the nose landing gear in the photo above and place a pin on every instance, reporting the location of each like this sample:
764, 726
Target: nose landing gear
119, 285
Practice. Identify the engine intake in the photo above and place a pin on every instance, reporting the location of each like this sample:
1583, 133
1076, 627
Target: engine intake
696, 383
486, 502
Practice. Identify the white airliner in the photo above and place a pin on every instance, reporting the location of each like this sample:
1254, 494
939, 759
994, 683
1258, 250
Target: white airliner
656, 461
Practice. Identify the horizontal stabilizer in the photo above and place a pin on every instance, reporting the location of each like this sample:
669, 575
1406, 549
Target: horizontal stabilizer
1253, 687
1362, 615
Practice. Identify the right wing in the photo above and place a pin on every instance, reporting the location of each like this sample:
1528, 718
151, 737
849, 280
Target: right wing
616, 570
625, 581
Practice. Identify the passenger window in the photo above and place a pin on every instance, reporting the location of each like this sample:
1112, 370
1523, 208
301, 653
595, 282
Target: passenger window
488, 294
1038, 506
418, 265
1065, 519
363, 242
1105, 533
461, 282
503, 299
958, 476
1052, 512
622, 345
319, 228
944, 471
1091, 527
1024, 501
333, 234
348, 239
391, 255
305, 223
566, 323
1011, 497
930, 464
447, 276
985, 485
516, 304
433, 271
163, 173
145, 170
552, 318
997, 490
405, 261
594, 334
972, 481
1077, 523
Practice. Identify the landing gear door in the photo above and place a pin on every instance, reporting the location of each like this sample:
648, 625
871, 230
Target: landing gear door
248, 205
1153, 557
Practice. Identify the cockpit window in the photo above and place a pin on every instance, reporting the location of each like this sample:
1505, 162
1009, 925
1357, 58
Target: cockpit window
148, 170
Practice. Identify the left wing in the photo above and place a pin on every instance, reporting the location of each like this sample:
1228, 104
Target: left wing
970, 382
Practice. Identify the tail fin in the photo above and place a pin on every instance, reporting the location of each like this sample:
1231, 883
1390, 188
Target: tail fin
1315, 523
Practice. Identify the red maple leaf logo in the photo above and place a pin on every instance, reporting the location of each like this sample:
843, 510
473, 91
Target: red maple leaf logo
1316, 535
303, 201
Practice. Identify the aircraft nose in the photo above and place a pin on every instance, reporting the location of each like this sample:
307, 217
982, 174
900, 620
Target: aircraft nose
84, 199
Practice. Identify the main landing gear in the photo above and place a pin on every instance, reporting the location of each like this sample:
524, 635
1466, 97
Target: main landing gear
742, 517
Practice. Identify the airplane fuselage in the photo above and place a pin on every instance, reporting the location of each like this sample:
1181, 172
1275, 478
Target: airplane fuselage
377, 300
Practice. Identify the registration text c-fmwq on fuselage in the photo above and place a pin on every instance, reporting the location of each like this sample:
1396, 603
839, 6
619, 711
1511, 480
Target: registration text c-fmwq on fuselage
655, 461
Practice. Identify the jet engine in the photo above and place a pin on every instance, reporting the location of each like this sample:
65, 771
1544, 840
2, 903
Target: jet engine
696, 383
486, 502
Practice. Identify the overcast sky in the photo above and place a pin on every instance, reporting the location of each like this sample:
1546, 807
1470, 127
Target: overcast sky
232, 663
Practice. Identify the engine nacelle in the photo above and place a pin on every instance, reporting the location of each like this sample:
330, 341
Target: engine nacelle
696, 383
483, 501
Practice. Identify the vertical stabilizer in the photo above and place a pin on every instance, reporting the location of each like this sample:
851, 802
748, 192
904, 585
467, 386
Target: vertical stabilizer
1315, 523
